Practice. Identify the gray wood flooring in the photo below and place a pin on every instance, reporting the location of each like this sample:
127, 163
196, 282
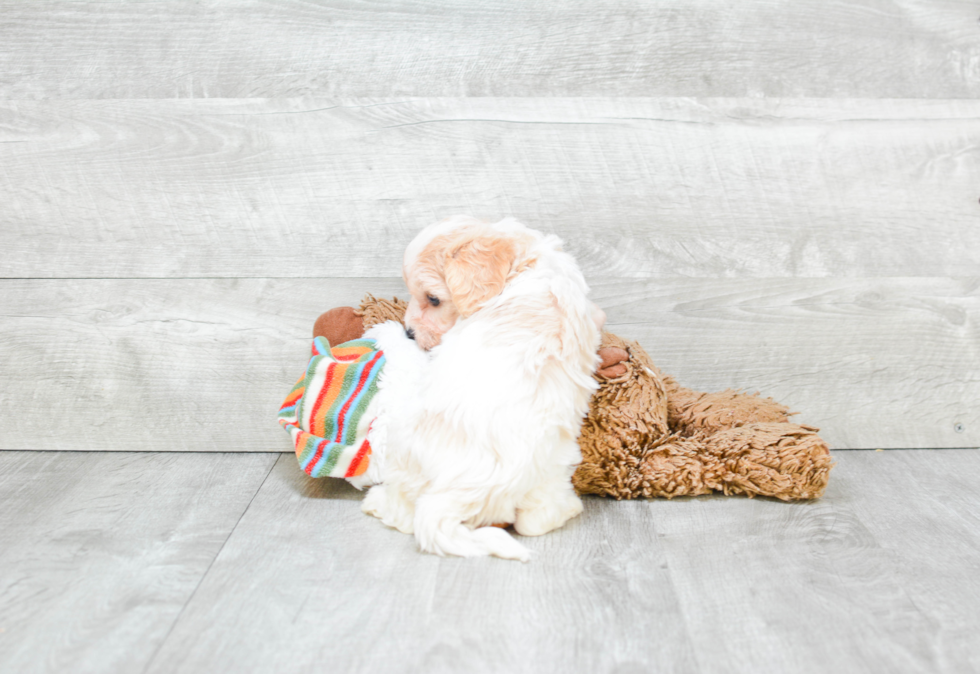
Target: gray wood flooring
197, 562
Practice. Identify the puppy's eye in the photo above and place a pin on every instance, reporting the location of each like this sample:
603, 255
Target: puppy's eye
434, 301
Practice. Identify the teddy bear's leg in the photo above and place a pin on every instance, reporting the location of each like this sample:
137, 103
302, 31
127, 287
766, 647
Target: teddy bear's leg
782, 460
676, 467
691, 412
547, 506
627, 415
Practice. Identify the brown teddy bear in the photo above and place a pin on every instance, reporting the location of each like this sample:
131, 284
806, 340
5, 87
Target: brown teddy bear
647, 436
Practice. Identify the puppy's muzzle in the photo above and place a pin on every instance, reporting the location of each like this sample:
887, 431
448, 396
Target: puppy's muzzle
410, 333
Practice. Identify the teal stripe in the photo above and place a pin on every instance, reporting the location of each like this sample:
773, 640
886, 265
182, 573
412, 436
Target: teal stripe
308, 451
353, 372
331, 455
352, 375
360, 404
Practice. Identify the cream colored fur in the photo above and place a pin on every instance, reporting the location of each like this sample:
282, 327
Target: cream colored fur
485, 428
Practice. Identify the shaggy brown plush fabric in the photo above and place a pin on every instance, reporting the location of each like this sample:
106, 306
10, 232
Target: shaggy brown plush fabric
373, 311
647, 436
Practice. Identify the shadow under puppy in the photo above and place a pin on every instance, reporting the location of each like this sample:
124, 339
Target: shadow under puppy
483, 429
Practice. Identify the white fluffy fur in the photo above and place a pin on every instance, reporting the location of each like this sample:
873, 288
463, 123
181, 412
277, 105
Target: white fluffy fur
483, 429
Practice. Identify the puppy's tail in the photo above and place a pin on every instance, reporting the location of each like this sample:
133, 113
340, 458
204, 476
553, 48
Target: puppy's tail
440, 530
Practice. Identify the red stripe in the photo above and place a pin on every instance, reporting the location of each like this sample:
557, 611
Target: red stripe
316, 457
361, 453
350, 399
292, 398
319, 398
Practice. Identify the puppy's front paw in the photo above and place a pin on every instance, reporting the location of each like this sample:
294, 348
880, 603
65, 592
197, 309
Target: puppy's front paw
374, 501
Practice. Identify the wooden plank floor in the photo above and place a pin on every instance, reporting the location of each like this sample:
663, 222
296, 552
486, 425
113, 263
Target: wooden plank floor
145, 562
99, 553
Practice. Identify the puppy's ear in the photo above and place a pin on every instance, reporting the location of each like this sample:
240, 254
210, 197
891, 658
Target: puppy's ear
476, 270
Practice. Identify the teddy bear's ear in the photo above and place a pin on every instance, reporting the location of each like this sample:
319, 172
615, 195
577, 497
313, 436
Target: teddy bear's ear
476, 268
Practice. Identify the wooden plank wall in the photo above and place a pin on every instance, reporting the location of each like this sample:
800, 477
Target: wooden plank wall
780, 196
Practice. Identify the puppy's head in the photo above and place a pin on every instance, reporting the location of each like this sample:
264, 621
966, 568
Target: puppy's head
452, 269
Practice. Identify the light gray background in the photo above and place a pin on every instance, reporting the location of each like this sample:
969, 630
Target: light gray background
777, 196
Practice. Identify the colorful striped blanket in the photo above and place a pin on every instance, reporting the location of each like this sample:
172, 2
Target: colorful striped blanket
326, 412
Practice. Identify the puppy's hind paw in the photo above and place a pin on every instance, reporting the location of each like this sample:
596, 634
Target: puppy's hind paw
380, 503
542, 517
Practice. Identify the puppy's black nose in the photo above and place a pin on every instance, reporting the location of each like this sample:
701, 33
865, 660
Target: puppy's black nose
410, 333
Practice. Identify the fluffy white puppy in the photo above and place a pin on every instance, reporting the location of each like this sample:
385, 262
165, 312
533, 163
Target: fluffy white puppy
490, 432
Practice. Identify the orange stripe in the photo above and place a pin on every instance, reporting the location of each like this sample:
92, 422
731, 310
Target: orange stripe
329, 395
300, 442
349, 353
359, 463
293, 397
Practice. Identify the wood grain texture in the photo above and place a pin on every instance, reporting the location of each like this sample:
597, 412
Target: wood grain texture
163, 365
930, 535
308, 582
203, 364
100, 552
828, 586
871, 49
636, 187
875, 363
106, 565
858, 581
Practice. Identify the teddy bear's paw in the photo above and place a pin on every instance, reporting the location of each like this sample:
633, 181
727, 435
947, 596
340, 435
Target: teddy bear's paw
612, 362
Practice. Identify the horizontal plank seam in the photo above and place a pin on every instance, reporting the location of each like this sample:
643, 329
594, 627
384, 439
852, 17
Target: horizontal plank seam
216, 278
145, 451
900, 449
589, 277
290, 453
